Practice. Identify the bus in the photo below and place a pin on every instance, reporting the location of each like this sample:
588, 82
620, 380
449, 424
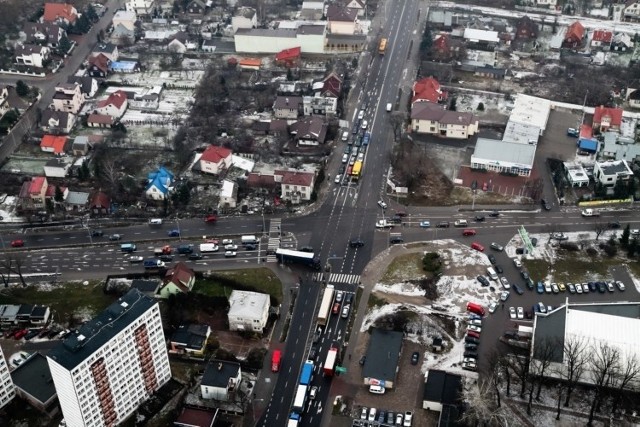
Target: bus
325, 306
306, 258
301, 398
382, 46
357, 169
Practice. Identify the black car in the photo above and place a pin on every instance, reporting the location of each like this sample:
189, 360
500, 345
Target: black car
518, 289
415, 356
479, 218
471, 353
498, 269
31, 334
593, 287
529, 283
396, 239
348, 299
470, 347
494, 214
356, 243
250, 247
195, 256
471, 340
306, 249
614, 224
492, 259
166, 258
545, 205
483, 280
396, 219
524, 275
316, 336
534, 241
313, 353
362, 360
342, 169
443, 224
97, 233
602, 287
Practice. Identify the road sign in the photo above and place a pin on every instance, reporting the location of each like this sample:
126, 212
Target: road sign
528, 246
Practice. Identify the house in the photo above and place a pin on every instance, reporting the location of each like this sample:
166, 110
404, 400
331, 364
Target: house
141, 7
53, 144
331, 86
32, 193
196, 7
146, 286
250, 64
190, 339
196, 417
434, 119
100, 121
77, 201
45, 34
551, 4
33, 383
621, 42
67, 97
288, 57
32, 55
228, 195
574, 36
526, 29
248, 311
632, 11
319, 105
215, 159
58, 167
428, 89
481, 38
179, 43
441, 47
109, 50
608, 173
358, 5
309, 131
115, 105
60, 12
246, 17
221, 379
607, 119
601, 38
287, 107
341, 19
178, 279
88, 85
441, 389
39, 315
147, 99
57, 121
125, 18
633, 98
312, 10
80, 146
159, 184
296, 187
100, 204
98, 66
122, 35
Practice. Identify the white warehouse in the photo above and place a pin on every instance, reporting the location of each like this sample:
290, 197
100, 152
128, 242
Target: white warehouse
503, 156
310, 39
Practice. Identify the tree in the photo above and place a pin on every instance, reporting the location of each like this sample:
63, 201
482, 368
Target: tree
624, 239
575, 355
83, 172
82, 25
603, 363
48, 203
64, 46
492, 374
482, 409
453, 105
632, 248
480, 106
426, 43
58, 197
599, 227
620, 189
22, 89
90, 11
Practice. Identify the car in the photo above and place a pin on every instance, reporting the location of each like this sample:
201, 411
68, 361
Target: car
473, 316
425, 224
364, 124
512, 313
517, 263
336, 308
470, 353
227, 241
492, 259
520, 313
571, 287
97, 233
542, 308
474, 328
493, 306
352, 160
232, 247
362, 360
547, 287
135, 258
470, 347
345, 311
578, 288
559, 236
494, 214
313, 353
173, 233
468, 232
313, 392
443, 224
585, 288
496, 247
20, 334
505, 282
18, 243
540, 288
610, 287
396, 239
592, 287
250, 247
504, 295
545, 205
396, 219
518, 289
554, 288
534, 241
469, 360
194, 256
166, 258
230, 254
477, 246
479, 218
460, 223
399, 419
316, 335
115, 237
483, 280
382, 415
355, 129
529, 283
573, 132
408, 417
471, 340
602, 288
364, 413
415, 356
614, 224
337, 179
211, 218
31, 334
382, 204
620, 285
390, 417
498, 269
342, 169
469, 366
339, 296
477, 322
372, 414
356, 243
634, 232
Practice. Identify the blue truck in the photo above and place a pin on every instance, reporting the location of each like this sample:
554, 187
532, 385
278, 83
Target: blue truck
307, 371
153, 263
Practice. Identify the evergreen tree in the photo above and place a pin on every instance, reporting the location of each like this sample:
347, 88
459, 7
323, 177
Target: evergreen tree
64, 46
59, 195
453, 106
90, 11
624, 239
83, 172
22, 89
427, 41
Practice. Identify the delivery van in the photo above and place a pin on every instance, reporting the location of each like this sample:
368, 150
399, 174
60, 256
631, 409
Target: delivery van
492, 273
475, 308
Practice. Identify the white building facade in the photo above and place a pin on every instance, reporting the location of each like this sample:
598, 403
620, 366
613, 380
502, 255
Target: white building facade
310, 39
248, 311
7, 389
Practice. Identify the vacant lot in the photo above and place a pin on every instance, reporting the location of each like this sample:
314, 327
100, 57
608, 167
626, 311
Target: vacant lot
258, 279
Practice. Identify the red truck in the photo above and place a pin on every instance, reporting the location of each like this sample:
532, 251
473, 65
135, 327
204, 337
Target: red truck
330, 363
275, 361
475, 308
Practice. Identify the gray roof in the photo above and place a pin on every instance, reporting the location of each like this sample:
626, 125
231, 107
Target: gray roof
218, 372
505, 151
551, 328
287, 102
267, 32
9, 312
101, 329
442, 387
191, 336
145, 286
39, 311
614, 167
33, 377
77, 198
311, 29
355, 40
522, 133
382, 355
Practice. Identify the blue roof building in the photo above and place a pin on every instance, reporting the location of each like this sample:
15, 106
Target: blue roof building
160, 183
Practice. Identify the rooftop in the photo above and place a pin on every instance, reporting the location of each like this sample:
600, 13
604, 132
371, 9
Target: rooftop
215, 154
531, 110
442, 387
505, 151
382, 355
247, 304
33, 377
615, 167
196, 417
218, 372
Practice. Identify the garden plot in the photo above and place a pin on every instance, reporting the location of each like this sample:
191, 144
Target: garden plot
181, 79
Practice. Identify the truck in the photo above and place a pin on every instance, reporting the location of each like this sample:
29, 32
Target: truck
164, 250
275, 361
185, 249
305, 258
330, 362
325, 306
209, 247
590, 212
357, 169
306, 372
300, 399
382, 47
383, 223
128, 247
294, 420
153, 263
525, 331
248, 240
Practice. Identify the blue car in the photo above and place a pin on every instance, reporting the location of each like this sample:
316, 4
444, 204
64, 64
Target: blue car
540, 288
174, 233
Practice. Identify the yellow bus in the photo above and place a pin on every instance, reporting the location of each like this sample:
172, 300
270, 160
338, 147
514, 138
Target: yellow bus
382, 47
357, 169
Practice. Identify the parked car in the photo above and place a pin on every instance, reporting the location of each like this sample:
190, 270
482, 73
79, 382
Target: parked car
232, 247
547, 287
540, 287
504, 295
559, 236
602, 288
396, 239
518, 289
477, 246
572, 289
524, 274
18, 243
562, 287
483, 280
166, 258
610, 287
554, 288
578, 288
492, 259
493, 307
425, 224
31, 334
585, 288
496, 247
545, 205
505, 282
415, 356
474, 328
520, 313
620, 285
498, 269
512, 313
345, 311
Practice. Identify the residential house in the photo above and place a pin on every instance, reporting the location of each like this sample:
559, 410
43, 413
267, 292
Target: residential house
621, 42
88, 85
178, 279
428, 90
32, 193
526, 29
80, 146
196, 417
98, 66
57, 121
125, 18
53, 144
190, 339
77, 201
58, 167
319, 105
441, 389
633, 98
358, 5
148, 99
215, 160
221, 380
100, 204
632, 11
196, 7
159, 184
574, 36
32, 55
601, 38
179, 43
45, 34
618, 147
441, 47
100, 121
434, 119
331, 86
140, 7
109, 50
115, 105
122, 35
287, 107
607, 119
248, 311
342, 20
312, 10
309, 131
67, 97
60, 12
608, 173
295, 186
246, 17
228, 195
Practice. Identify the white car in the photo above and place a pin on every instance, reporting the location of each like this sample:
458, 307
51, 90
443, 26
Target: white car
620, 285
634, 232
231, 247
408, 417
227, 241
363, 414
505, 283
504, 296
360, 114
547, 287
372, 414
313, 392
578, 288
338, 179
468, 360
520, 313
554, 288
382, 204
585, 288
230, 254
512, 313
517, 263
365, 124
135, 258
476, 322
474, 328
493, 307
469, 366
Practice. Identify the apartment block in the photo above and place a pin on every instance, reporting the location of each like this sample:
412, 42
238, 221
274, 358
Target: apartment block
7, 389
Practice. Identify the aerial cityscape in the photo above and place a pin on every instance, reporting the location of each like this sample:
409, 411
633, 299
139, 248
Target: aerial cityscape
351, 213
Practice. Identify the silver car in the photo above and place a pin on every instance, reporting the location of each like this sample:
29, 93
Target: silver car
505, 283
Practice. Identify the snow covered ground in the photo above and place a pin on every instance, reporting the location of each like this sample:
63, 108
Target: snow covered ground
8, 210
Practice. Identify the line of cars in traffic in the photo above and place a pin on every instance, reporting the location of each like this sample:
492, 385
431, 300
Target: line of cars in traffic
385, 418
472, 337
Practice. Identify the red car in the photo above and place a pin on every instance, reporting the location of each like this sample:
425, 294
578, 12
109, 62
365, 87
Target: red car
477, 246
210, 219
17, 243
473, 334
469, 232
21, 333
336, 308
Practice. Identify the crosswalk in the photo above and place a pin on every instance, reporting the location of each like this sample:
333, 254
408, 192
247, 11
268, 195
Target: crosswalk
274, 239
350, 279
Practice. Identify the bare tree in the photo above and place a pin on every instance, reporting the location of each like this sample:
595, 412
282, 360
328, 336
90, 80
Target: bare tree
482, 410
492, 373
7, 269
599, 227
520, 366
575, 355
397, 120
18, 263
603, 364
628, 374
544, 353
506, 372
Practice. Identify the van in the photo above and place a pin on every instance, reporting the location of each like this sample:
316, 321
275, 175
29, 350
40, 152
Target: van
345, 136
185, 249
475, 308
128, 247
389, 107
492, 273
345, 158
376, 389
155, 221
460, 223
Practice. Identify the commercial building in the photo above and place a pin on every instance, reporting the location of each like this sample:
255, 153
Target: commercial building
503, 156
576, 174
7, 389
248, 311
309, 38
111, 364
382, 365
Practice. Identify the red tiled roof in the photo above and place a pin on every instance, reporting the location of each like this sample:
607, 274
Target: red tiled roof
101, 119
116, 99
101, 61
100, 200
586, 132
215, 154
250, 62
179, 275
615, 115
441, 43
35, 187
288, 54
296, 178
575, 31
55, 142
53, 11
258, 180
602, 36
427, 89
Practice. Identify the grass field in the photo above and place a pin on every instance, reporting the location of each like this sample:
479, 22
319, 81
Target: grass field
260, 279
404, 267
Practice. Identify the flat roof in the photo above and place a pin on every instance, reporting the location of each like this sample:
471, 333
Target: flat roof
245, 303
473, 34
382, 355
442, 387
531, 110
495, 150
614, 167
522, 133
268, 32
34, 378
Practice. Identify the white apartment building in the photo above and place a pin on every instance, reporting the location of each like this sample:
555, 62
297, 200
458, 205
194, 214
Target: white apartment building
248, 311
112, 364
7, 389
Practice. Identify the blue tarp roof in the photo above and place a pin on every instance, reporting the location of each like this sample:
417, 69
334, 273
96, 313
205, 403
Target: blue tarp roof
588, 145
123, 65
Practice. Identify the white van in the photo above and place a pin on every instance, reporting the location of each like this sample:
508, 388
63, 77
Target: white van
345, 158
155, 221
389, 107
345, 136
376, 389
492, 273
361, 115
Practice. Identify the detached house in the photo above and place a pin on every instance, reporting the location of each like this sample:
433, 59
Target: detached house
115, 105
196, 7
33, 193
53, 144
632, 11
434, 119
309, 131
68, 97
601, 38
428, 90
248, 311
621, 42
60, 13
221, 380
607, 119
190, 339
287, 107
178, 279
245, 18
159, 184
331, 86
32, 54
610, 172
48, 33
526, 29
574, 36
342, 20
57, 121
295, 186
109, 50
100, 204
215, 159
88, 85
98, 66
357, 5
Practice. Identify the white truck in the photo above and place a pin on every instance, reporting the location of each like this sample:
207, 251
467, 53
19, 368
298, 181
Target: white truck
383, 223
249, 240
590, 212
